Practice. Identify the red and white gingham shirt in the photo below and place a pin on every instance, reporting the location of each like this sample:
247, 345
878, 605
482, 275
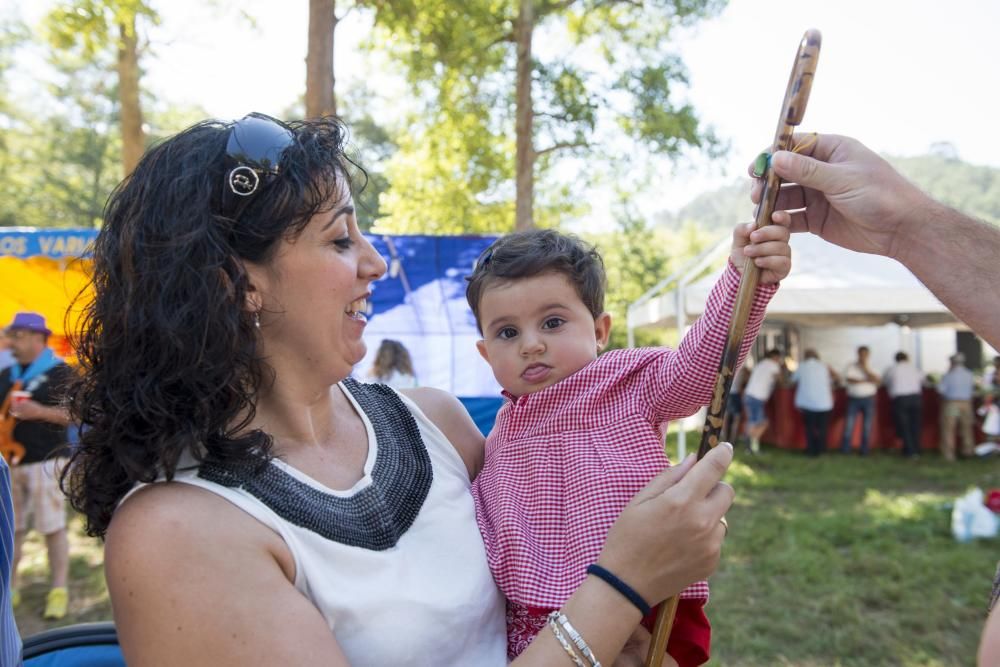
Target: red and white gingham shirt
563, 462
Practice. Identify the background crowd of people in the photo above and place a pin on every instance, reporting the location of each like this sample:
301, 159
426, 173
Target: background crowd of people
815, 384
34, 441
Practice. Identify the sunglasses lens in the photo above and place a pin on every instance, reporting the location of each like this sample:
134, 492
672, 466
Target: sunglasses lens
258, 142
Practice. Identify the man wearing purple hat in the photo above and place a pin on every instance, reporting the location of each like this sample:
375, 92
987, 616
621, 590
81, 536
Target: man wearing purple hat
40, 428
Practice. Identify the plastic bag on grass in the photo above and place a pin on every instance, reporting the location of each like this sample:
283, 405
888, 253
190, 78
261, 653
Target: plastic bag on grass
986, 448
970, 518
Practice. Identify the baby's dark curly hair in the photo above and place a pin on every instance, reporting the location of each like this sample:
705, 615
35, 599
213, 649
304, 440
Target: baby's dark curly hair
167, 348
536, 252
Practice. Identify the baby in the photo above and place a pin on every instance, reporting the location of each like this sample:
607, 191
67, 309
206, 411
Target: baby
580, 433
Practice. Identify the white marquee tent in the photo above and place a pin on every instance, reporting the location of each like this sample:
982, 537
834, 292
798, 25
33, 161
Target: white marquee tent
830, 293
828, 286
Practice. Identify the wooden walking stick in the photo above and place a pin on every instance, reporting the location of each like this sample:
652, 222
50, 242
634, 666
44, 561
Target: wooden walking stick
792, 110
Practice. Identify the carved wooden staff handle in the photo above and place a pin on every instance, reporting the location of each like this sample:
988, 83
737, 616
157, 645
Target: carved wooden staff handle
792, 109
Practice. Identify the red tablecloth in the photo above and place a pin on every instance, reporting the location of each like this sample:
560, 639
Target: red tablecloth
787, 430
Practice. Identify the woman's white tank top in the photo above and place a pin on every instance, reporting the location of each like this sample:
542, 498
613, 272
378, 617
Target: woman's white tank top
395, 564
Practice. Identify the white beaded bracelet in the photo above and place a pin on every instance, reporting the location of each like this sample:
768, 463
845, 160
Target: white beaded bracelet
561, 638
557, 617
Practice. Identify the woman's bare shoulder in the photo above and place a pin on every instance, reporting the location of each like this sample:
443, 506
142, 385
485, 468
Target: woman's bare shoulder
194, 580
164, 524
173, 516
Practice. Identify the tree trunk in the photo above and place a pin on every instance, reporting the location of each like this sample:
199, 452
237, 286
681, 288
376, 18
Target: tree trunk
524, 118
133, 137
320, 99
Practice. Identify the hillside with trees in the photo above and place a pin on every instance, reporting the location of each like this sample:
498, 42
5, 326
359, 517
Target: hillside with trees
973, 189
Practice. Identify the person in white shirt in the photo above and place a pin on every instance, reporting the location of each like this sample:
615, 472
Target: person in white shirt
956, 388
756, 394
734, 404
814, 398
903, 383
990, 379
394, 366
862, 385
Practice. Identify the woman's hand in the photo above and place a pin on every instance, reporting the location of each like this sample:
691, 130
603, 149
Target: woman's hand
634, 652
670, 535
637, 648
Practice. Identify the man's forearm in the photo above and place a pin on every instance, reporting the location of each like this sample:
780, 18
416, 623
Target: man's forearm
56, 415
957, 257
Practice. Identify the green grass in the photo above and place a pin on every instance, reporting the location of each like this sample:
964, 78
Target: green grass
837, 561
844, 560
88, 595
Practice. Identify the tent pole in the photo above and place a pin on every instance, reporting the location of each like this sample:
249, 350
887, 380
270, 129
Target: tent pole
918, 352
693, 267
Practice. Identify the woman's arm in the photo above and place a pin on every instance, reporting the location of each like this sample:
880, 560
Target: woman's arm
196, 581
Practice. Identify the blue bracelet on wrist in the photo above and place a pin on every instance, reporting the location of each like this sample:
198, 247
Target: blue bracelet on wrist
627, 591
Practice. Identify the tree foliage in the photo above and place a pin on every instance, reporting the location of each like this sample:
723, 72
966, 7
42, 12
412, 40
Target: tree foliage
58, 160
60, 145
93, 25
90, 28
79, 151
602, 85
372, 146
636, 257
973, 189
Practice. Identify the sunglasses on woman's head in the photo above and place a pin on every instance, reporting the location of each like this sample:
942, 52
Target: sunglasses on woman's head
256, 144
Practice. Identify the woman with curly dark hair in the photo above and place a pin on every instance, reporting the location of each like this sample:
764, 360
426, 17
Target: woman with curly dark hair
259, 506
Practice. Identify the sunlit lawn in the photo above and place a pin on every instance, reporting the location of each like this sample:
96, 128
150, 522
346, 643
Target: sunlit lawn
88, 597
845, 560
835, 561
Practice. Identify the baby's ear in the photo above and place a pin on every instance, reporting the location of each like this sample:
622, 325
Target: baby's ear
481, 346
602, 330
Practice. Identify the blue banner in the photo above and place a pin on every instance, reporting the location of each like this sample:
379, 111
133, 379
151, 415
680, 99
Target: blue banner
25, 242
420, 302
